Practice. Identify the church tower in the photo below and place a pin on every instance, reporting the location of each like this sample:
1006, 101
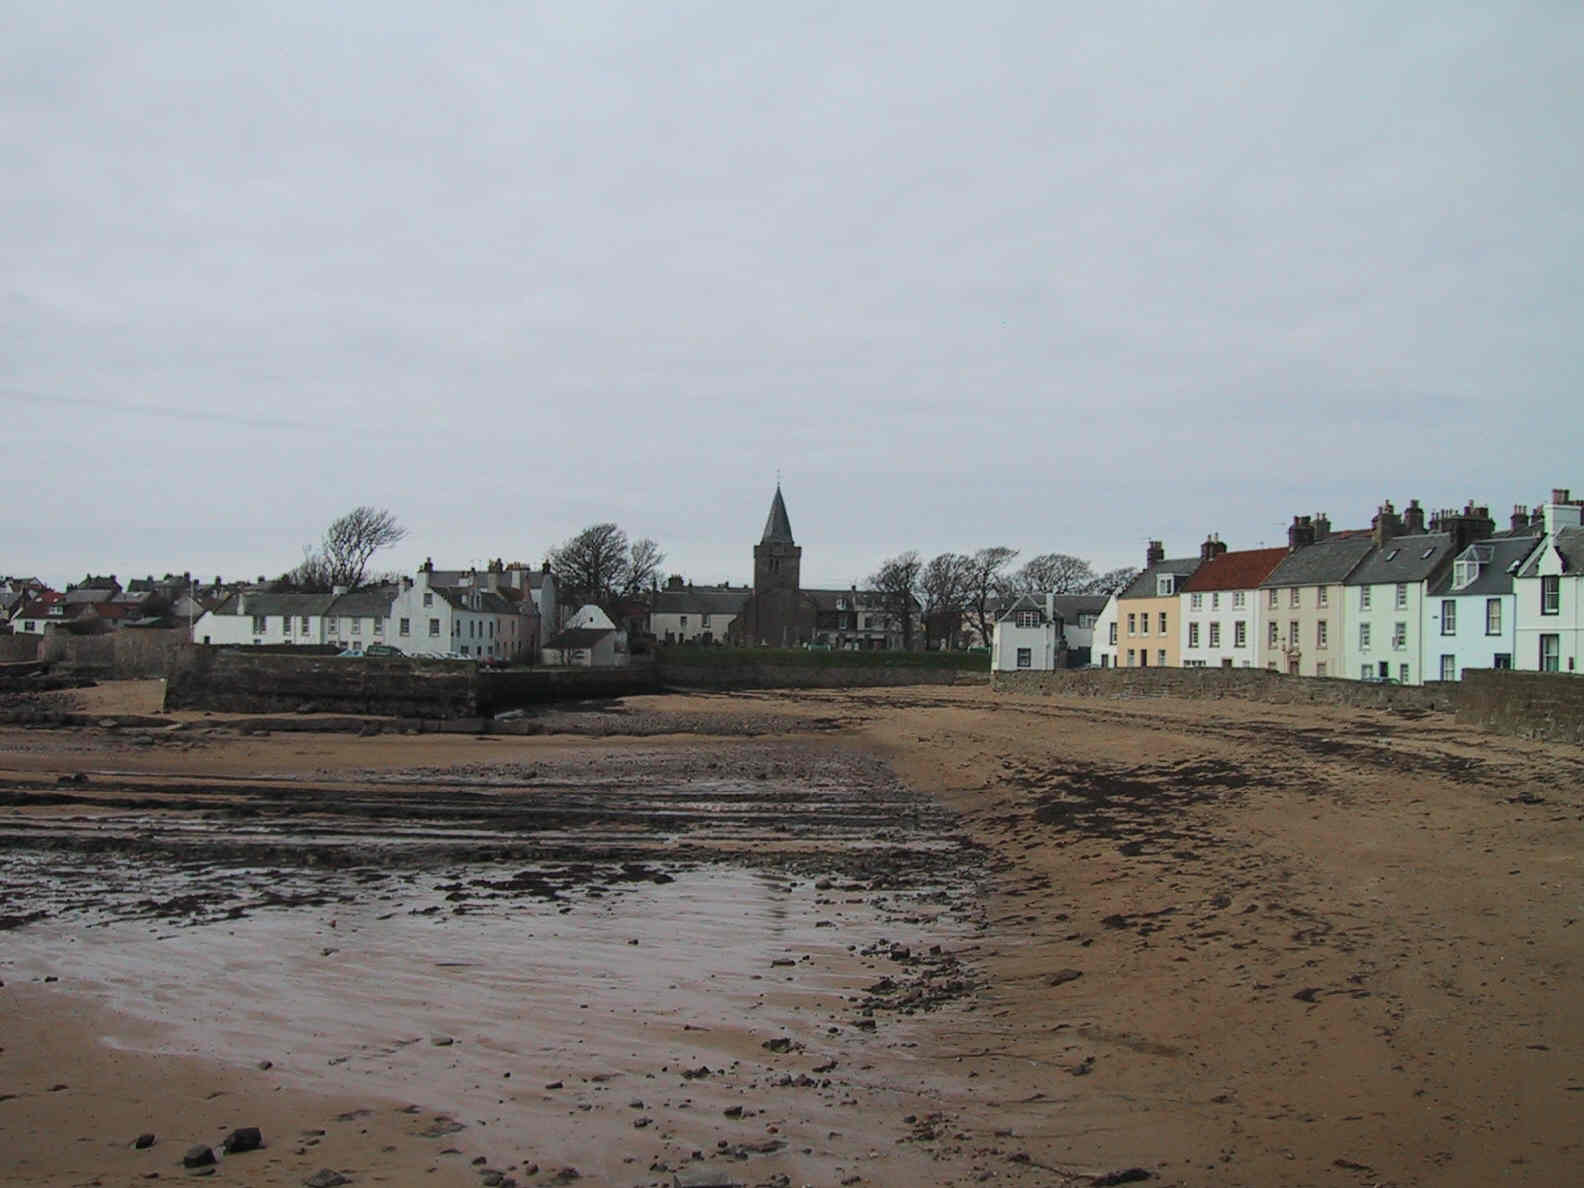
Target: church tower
777, 558
777, 614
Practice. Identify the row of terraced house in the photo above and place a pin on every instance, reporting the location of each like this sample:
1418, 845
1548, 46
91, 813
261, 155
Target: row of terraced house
1403, 600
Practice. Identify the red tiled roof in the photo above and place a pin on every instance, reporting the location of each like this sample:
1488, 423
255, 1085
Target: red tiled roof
1235, 571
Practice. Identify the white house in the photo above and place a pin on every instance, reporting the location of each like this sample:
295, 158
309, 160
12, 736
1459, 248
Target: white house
1386, 596
589, 640
1469, 611
1548, 593
1026, 637
684, 613
254, 617
469, 622
1219, 616
1077, 614
1103, 649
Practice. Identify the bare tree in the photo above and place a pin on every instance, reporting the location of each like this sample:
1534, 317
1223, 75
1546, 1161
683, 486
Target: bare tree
1113, 581
943, 588
310, 576
986, 575
895, 581
593, 565
643, 565
353, 539
1053, 573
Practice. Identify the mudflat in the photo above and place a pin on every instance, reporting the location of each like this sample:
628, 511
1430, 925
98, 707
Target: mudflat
900, 936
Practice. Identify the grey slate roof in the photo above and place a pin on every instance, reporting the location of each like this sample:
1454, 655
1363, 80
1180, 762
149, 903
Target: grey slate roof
277, 604
1323, 564
1025, 602
1070, 606
88, 594
1496, 555
1567, 541
489, 602
863, 600
701, 600
778, 528
365, 604
1144, 585
1405, 559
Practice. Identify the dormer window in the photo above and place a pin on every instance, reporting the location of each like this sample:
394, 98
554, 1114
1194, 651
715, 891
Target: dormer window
1165, 585
1464, 572
1028, 618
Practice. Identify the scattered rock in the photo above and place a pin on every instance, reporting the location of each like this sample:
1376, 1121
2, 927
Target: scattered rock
1062, 976
198, 1156
245, 1138
734, 1111
780, 1044
144, 1141
325, 1178
706, 1177
1128, 1175
441, 1041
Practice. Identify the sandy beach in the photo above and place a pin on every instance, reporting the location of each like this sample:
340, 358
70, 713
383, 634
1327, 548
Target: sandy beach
892, 937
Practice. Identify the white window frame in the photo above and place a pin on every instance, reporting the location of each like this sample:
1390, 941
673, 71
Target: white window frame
1025, 657
1449, 616
1493, 616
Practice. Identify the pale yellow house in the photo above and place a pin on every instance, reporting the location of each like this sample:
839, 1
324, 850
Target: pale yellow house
1148, 634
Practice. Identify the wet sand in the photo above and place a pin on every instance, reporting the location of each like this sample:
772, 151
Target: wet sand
1220, 942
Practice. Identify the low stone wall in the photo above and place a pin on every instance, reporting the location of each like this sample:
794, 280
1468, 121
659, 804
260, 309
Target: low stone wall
240, 680
19, 647
1542, 705
1251, 683
792, 676
129, 654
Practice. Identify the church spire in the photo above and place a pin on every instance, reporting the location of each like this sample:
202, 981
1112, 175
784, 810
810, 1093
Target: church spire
778, 529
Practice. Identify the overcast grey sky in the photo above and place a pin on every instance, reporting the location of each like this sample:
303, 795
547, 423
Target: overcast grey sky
1058, 276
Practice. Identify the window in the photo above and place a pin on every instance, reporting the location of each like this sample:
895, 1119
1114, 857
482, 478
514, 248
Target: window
434, 626
1130, 658
1365, 674
1320, 634
1271, 601
1550, 653
1502, 660
1493, 616
304, 626
1464, 571
1215, 601
1163, 622
259, 626
1321, 595
1271, 639
1196, 601
1448, 667
1165, 585
379, 626
1399, 635
1132, 628
1448, 617
1025, 657
428, 598
406, 627
464, 649
1160, 657
1402, 674
1402, 596
682, 622
357, 626
1215, 635
1364, 598
1240, 634
1028, 618
1113, 632
286, 624
1295, 597
1550, 596
1239, 597
1292, 633
1193, 635
1320, 669
704, 621
1364, 637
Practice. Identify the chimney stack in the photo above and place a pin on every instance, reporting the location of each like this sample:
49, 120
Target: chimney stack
1520, 517
1212, 547
1155, 554
1322, 526
1413, 519
1301, 533
1386, 524
1465, 527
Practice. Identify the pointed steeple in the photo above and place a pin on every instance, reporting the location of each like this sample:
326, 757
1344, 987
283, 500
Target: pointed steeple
778, 529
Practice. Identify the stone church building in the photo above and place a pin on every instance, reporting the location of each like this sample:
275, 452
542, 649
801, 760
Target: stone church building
778, 613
